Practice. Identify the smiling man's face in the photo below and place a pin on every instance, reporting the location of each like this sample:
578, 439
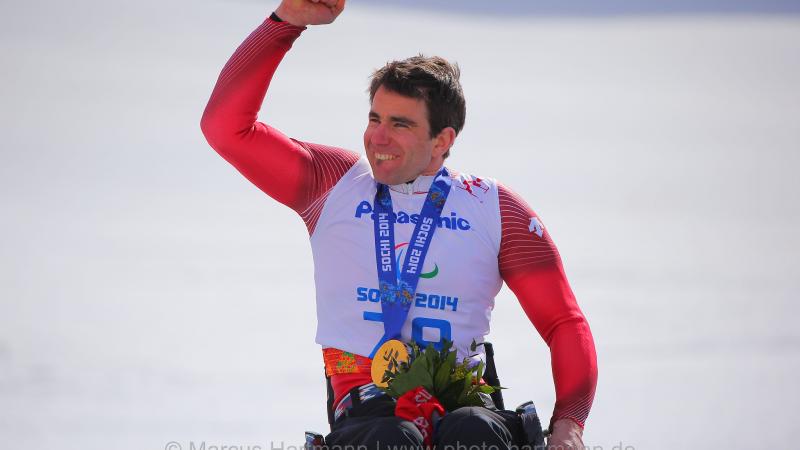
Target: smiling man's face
397, 139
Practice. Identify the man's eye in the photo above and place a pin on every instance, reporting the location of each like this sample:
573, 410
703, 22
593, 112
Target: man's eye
401, 125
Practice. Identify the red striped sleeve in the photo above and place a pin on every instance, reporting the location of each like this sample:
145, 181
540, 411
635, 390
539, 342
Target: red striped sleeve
525, 243
329, 164
531, 267
294, 173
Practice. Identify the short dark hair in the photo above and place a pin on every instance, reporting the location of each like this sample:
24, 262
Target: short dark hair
433, 80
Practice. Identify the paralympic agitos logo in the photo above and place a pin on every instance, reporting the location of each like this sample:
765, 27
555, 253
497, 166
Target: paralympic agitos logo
400, 251
451, 222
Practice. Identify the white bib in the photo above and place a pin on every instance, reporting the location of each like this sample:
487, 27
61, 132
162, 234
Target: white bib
460, 276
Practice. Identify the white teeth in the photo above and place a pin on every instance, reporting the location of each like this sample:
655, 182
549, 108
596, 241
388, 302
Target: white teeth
382, 157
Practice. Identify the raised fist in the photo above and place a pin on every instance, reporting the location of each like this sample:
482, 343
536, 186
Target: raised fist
309, 12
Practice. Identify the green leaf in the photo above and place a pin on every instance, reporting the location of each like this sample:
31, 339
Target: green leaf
467, 384
451, 361
450, 395
486, 389
432, 357
473, 399
442, 377
390, 391
401, 385
417, 375
445, 352
479, 372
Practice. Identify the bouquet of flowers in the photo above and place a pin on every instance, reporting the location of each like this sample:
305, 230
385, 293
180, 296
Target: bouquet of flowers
454, 384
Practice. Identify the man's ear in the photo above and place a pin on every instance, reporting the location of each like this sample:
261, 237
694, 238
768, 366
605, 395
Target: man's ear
443, 141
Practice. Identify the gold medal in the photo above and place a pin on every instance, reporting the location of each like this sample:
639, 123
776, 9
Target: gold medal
391, 353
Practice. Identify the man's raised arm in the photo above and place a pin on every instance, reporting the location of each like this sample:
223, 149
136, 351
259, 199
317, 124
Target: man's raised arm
289, 171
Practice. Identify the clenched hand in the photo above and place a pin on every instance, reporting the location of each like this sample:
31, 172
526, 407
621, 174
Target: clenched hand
309, 12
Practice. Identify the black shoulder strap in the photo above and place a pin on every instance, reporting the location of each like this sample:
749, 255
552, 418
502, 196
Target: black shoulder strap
329, 388
490, 375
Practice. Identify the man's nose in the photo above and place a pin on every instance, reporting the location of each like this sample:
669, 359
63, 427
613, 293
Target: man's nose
380, 135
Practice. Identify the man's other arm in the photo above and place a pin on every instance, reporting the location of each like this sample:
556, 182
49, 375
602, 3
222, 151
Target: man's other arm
531, 267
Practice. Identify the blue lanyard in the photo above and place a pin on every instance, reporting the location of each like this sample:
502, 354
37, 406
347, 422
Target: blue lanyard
398, 288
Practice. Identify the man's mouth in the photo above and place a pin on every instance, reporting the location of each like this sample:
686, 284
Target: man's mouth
384, 157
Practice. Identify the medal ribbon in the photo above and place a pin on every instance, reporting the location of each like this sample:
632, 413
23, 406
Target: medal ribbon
398, 288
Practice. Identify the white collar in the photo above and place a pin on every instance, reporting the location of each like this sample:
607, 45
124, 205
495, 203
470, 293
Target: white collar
418, 186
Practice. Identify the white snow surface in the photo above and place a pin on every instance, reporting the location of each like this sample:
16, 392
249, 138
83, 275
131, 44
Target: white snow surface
150, 294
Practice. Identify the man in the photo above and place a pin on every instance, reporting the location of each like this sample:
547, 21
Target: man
474, 225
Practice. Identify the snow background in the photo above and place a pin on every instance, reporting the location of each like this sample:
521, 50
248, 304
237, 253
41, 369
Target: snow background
149, 294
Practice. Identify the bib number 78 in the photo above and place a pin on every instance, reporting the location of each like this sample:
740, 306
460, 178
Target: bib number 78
422, 327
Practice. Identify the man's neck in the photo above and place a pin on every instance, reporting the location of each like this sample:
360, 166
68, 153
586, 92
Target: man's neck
432, 172
425, 174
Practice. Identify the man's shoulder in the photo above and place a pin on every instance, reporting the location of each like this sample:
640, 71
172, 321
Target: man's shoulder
476, 186
329, 154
